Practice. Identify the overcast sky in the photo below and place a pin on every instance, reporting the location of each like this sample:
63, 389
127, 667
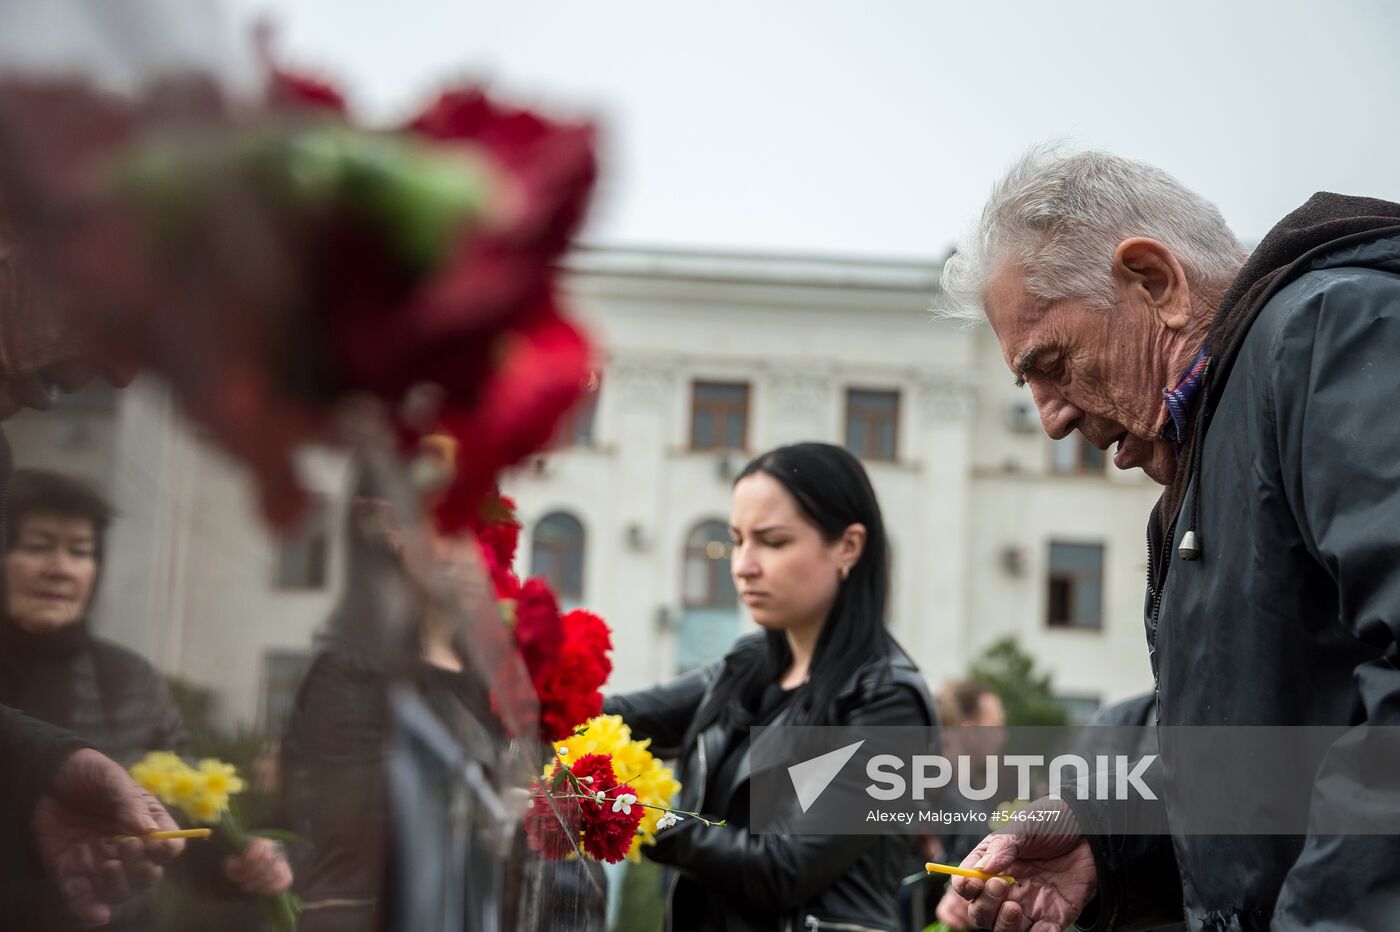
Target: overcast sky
876, 128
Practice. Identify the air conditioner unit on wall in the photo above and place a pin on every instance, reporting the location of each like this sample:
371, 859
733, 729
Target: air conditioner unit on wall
1022, 417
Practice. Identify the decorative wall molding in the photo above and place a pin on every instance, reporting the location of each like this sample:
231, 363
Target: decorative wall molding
941, 401
642, 386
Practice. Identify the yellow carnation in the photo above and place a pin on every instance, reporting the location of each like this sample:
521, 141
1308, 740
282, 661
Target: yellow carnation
184, 786
153, 780
207, 807
634, 764
220, 778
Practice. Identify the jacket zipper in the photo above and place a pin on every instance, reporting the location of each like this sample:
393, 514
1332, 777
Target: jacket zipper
1152, 582
1155, 589
812, 922
1153, 586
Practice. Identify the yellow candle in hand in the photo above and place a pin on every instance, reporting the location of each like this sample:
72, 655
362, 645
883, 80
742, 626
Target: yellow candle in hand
934, 868
174, 833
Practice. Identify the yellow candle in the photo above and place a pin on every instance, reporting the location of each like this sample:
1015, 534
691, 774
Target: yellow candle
933, 868
175, 833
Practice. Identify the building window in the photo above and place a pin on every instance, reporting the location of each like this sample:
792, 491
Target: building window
282, 674
708, 583
1074, 597
872, 424
1075, 454
576, 427
719, 416
710, 604
556, 553
303, 555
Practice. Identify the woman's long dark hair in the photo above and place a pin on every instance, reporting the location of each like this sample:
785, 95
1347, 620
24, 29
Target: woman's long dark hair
832, 491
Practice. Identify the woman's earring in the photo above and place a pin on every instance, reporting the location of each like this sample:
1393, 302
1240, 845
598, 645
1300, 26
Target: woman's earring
845, 571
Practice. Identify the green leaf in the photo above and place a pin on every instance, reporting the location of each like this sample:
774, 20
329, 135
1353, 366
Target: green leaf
281, 836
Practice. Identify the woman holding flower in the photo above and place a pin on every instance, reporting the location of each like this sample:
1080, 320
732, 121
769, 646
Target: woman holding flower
810, 561
53, 668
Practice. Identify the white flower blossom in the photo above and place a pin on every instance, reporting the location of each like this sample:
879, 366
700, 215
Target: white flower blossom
563, 752
623, 803
667, 820
601, 797
587, 779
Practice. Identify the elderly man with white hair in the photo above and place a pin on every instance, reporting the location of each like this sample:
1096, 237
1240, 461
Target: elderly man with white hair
1261, 391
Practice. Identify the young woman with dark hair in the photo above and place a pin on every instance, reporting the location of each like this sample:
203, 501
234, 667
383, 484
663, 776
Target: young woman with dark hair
811, 563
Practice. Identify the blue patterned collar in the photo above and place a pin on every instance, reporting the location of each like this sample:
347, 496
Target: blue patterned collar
1178, 400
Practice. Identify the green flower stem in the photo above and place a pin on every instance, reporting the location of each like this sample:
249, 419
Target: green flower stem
593, 797
280, 910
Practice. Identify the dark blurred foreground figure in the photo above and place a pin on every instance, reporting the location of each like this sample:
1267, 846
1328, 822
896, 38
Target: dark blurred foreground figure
60, 801
1262, 395
810, 561
53, 668
369, 710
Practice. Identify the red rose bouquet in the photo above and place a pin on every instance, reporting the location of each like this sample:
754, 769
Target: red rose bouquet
272, 263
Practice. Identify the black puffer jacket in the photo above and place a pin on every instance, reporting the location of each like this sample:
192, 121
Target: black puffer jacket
1291, 615
771, 882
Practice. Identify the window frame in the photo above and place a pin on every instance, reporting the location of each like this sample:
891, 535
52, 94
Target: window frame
560, 551
718, 411
872, 424
1074, 579
693, 550
1083, 451
584, 411
317, 540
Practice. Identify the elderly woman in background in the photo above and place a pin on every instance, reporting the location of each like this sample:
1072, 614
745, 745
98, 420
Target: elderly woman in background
53, 668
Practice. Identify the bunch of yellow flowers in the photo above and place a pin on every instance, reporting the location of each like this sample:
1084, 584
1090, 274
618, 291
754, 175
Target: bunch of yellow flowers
201, 792
634, 765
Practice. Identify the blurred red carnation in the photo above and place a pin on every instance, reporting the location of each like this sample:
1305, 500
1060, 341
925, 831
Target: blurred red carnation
538, 627
569, 690
291, 90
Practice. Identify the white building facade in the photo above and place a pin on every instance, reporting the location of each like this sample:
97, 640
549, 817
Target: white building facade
705, 361
996, 531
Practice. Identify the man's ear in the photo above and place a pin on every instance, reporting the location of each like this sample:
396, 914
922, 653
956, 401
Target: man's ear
1148, 274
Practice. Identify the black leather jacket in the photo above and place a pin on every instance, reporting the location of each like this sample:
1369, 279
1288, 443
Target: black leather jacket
725, 877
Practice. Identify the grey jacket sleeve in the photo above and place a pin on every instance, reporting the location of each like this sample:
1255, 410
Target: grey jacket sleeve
1336, 385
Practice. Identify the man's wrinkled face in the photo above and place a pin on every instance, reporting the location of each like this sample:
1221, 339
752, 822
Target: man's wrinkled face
43, 350
1100, 372
40, 390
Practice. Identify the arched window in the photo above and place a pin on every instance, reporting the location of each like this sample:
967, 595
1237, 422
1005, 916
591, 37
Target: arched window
556, 553
707, 580
709, 603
